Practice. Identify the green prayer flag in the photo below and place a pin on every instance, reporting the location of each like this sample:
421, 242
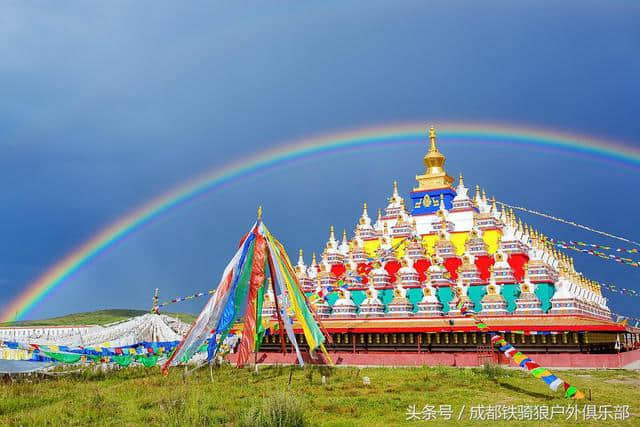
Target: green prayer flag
64, 357
259, 328
314, 329
122, 360
537, 371
242, 287
570, 392
148, 361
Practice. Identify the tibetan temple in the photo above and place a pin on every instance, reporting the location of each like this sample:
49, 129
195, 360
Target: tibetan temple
390, 293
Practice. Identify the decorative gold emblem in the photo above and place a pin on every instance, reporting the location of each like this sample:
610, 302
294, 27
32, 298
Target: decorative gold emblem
426, 201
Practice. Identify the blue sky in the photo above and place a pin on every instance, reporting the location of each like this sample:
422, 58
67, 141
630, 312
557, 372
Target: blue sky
106, 105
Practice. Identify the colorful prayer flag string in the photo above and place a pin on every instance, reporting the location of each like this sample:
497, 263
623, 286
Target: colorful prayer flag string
620, 290
600, 254
572, 223
523, 361
189, 297
595, 246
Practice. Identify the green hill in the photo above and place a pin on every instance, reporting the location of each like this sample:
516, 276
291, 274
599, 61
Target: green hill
99, 317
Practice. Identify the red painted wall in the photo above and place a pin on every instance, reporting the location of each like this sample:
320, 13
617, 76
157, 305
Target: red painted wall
563, 360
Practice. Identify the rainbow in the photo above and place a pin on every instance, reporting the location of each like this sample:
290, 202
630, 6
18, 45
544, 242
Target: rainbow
358, 139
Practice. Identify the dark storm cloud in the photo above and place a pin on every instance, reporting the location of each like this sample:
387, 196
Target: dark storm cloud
105, 105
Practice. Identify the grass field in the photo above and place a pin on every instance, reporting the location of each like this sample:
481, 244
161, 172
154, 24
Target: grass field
99, 317
139, 396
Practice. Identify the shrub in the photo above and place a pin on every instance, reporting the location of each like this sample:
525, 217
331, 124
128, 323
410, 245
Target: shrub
493, 371
281, 410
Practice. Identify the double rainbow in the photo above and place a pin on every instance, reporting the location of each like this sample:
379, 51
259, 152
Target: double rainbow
360, 139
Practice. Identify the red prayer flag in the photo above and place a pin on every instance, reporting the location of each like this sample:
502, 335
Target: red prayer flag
256, 280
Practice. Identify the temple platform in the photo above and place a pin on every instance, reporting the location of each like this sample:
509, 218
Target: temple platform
403, 358
555, 340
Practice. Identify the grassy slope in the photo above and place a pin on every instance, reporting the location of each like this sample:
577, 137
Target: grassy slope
136, 396
99, 317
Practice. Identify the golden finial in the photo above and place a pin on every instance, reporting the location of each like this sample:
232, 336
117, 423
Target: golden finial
395, 186
461, 180
484, 196
432, 139
344, 234
477, 192
260, 213
379, 214
494, 207
313, 258
300, 253
331, 233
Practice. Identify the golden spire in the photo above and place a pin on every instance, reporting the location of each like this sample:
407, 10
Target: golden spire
313, 258
379, 214
344, 234
494, 207
435, 176
331, 233
260, 213
300, 260
461, 180
477, 196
